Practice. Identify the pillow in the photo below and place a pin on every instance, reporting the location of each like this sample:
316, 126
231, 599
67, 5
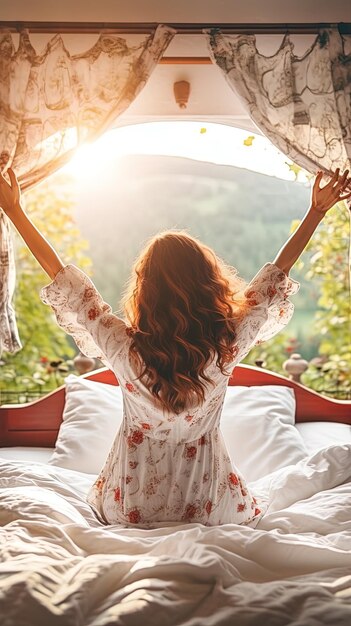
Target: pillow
92, 415
257, 424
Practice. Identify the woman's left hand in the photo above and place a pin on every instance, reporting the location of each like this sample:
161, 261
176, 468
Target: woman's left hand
323, 198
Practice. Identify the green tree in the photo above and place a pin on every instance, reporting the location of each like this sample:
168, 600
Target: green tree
328, 256
326, 264
50, 205
329, 266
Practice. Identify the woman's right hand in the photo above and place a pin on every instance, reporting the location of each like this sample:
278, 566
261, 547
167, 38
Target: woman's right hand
323, 198
10, 202
10, 194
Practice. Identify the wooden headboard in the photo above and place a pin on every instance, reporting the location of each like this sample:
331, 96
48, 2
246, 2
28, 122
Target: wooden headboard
37, 423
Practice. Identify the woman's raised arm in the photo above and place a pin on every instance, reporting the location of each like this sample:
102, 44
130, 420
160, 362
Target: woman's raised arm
10, 202
322, 199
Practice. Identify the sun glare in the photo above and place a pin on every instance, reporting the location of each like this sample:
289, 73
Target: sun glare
215, 143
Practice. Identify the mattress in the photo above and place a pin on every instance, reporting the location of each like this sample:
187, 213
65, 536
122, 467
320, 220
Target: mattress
60, 565
318, 435
20, 453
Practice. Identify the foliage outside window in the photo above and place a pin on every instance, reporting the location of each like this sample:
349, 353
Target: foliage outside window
47, 351
327, 265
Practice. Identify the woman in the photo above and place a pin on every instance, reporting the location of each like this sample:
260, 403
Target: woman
189, 322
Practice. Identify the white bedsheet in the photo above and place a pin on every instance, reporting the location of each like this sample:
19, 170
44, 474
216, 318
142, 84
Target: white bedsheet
60, 566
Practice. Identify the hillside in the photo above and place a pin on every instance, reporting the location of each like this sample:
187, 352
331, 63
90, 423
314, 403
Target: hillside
245, 216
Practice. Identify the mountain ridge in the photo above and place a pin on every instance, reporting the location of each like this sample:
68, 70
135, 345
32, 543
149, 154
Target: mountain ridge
243, 215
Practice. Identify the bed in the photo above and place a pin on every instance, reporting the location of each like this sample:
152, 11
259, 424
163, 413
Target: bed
60, 564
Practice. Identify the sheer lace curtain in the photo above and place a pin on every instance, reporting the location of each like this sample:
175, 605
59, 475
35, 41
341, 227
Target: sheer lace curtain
303, 105
52, 102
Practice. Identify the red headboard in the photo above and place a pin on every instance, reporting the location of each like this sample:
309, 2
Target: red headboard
37, 423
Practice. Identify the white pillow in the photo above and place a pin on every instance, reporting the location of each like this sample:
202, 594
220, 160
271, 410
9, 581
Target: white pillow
257, 424
92, 415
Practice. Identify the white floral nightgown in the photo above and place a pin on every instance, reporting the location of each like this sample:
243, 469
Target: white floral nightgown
166, 468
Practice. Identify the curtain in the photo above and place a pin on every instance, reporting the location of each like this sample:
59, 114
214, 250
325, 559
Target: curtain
302, 104
50, 103
9, 339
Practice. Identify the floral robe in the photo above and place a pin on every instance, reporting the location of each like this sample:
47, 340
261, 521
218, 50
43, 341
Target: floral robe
165, 468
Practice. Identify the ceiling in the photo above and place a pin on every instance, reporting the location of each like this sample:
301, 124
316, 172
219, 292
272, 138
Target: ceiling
210, 96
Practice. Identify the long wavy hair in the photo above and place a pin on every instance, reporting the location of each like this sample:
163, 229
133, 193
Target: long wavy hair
183, 304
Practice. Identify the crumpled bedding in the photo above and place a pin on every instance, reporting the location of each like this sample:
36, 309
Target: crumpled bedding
59, 565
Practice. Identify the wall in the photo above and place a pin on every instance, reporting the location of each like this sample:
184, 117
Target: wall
179, 10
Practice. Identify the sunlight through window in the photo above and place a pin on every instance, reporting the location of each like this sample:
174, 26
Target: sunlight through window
214, 143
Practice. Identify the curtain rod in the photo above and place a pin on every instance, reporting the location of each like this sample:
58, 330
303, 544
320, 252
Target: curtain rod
139, 28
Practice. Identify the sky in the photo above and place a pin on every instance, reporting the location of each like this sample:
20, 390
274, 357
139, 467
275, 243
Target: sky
215, 143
